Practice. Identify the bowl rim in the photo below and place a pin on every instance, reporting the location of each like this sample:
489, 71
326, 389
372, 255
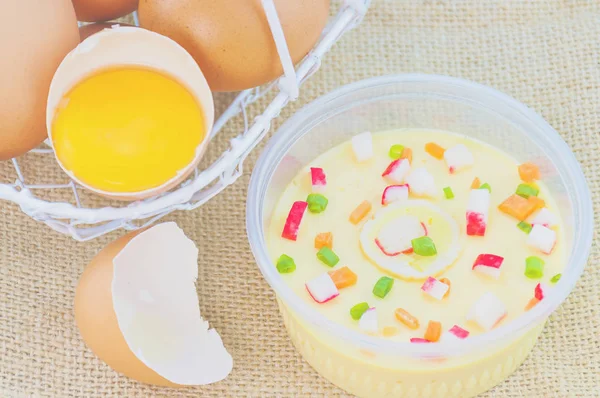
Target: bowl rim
288, 134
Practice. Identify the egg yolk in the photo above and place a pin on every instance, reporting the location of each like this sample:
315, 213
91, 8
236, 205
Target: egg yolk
127, 130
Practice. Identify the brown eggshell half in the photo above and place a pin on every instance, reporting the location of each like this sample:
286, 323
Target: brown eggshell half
97, 321
124, 45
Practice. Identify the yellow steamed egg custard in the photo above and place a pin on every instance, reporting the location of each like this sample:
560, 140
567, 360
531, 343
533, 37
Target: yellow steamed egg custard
418, 235
127, 129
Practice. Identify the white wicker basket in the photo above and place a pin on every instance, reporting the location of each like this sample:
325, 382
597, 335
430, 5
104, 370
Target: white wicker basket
85, 223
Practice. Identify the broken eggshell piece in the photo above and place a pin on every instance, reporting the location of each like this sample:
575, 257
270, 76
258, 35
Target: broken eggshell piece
137, 309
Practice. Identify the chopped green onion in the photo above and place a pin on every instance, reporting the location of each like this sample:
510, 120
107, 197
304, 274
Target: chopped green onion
534, 267
424, 246
285, 264
486, 186
358, 310
525, 227
396, 151
383, 286
327, 256
526, 190
316, 202
555, 278
448, 193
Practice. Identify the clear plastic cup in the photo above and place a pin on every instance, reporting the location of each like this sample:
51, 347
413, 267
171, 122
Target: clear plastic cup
369, 366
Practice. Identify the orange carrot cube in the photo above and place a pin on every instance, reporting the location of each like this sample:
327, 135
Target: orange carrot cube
343, 277
529, 172
360, 212
407, 154
389, 331
446, 281
476, 183
518, 207
434, 331
536, 202
324, 239
435, 150
532, 303
407, 319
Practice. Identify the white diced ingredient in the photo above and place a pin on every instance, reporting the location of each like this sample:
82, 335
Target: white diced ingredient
487, 311
362, 145
542, 238
544, 217
458, 157
368, 321
322, 288
421, 183
479, 201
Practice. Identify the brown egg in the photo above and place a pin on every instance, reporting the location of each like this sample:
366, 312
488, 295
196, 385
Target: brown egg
86, 31
97, 321
103, 10
34, 38
231, 39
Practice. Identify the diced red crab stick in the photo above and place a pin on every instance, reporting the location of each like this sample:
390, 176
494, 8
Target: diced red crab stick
397, 171
458, 157
544, 217
458, 332
541, 291
294, 218
435, 288
322, 288
396, 237
542, 238
362, 145
394, 193
477, 212
319, 179
488, 264
488, 311
419, 340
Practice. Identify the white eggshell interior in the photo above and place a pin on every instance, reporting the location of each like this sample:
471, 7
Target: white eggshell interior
156, 306
131, 46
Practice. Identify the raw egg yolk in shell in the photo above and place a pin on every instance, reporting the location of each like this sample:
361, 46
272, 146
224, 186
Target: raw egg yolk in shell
127, 129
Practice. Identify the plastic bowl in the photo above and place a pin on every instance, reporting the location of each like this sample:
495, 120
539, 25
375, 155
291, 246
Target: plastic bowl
370, 366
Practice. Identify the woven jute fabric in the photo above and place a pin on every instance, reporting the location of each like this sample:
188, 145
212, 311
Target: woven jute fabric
544, 53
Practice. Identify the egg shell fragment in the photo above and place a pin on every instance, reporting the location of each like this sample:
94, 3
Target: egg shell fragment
487, 311
362, 145
421, 182
156, 306
542, 238
397, 171
136, 307
458, 157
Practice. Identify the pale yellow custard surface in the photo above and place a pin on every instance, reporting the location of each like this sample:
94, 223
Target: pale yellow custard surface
350, 182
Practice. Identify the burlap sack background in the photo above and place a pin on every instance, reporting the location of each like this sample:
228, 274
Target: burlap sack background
544, 53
